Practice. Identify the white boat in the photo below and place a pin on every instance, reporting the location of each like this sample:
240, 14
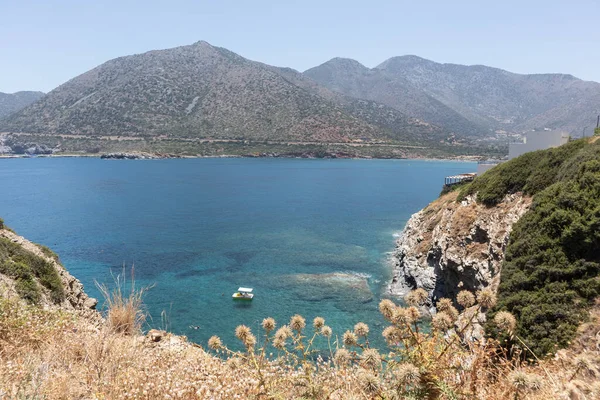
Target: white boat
243, 293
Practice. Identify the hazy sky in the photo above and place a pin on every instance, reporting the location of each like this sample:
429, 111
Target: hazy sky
44, 43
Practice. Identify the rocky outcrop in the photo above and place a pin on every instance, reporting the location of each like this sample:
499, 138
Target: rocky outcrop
75, 297
453, 245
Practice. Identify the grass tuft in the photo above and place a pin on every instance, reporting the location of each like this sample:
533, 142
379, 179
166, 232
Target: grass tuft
125, 313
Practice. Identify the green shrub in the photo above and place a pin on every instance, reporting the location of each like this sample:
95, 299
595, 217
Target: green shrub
530, 173
28, 290
24, 266
552, 266
48, 252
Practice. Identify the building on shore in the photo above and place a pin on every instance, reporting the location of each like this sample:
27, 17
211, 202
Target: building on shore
534, 140
537, 140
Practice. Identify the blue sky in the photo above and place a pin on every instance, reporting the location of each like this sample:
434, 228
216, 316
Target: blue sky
45, 43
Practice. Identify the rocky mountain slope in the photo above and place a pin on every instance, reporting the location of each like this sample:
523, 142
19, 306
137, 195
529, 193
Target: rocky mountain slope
202, 91
32, 272
468, 98
354, 79
13, 102
453, 245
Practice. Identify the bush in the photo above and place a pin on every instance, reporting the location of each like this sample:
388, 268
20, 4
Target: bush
530, 173
552, 264
23, 265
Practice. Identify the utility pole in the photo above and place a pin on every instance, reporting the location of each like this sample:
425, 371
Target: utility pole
583, 133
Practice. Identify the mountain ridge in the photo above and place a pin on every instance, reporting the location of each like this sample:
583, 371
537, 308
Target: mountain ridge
491, 99
206, 92
13, 102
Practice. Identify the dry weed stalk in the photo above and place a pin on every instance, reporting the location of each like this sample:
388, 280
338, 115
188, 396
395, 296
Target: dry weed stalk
55, 355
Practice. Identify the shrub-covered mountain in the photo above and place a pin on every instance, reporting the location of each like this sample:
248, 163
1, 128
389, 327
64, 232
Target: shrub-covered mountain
13, 102
468, 98
201, 91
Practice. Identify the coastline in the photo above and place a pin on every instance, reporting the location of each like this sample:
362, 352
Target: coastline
466, 159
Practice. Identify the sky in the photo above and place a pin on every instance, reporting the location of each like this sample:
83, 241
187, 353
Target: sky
44, 43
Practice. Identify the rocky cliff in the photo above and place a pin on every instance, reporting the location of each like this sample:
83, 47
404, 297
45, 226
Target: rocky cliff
453, 245
28, 268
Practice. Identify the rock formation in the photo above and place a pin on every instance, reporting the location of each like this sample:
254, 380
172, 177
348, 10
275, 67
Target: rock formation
75, 297
453, 245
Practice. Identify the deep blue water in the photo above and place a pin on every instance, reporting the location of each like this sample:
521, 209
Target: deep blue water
198, 228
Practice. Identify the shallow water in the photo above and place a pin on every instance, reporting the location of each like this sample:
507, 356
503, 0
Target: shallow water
197, 229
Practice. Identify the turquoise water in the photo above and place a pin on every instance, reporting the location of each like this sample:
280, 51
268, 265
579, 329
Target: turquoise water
197, 229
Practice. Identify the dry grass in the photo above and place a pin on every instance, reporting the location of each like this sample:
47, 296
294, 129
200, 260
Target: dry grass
56, 355
125, 314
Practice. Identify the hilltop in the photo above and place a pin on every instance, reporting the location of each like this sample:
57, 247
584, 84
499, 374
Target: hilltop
203, 92
468, 99
206, 100
13, 102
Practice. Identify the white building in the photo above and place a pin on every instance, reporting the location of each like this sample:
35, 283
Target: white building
537, 140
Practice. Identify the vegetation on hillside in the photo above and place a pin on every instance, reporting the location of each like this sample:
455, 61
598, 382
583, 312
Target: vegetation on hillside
57, 355
27, 270
530, 173
551, 273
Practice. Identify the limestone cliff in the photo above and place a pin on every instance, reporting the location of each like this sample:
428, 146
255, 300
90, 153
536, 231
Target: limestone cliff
454, 245
73, 296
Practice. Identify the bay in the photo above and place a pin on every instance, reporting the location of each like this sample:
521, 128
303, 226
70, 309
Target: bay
310, 236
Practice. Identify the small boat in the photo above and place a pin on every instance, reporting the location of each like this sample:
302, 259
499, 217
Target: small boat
243, 293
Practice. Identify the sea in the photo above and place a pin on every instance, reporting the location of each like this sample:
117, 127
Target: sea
310, 236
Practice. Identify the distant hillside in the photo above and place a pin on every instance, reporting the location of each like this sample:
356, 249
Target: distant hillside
354, 79
10, 103
201, 91
468, 98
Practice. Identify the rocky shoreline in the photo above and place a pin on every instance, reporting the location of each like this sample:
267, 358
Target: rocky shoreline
453, 245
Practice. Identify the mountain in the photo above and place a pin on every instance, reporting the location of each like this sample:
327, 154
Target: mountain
468, 98
10, 103
202, 91
354, 79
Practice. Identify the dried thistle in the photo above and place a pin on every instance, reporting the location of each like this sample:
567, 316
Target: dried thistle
441, 321
370, 358
268, 324
369, 382
318, 323
279, 343
443, 304
326, 331
361, 329
342, 356
519, 380
297, 323
413, 313
417, 297
465, 298
505, 321
391, 335
350, 338
387, 307
401, 316
250, 341
452, 312
407, 374
215, 343
486, 298
242, 332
